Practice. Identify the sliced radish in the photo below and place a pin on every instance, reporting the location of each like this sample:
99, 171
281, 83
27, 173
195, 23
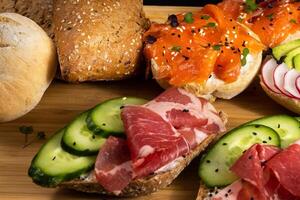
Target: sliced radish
267, 74
278, 77
298, 83
290, 83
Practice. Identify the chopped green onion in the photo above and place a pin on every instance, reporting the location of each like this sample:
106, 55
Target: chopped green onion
244, 56
206, 17
293, 21
217, 47
188, 18
270, 16
250, 5
211, 24
176, 48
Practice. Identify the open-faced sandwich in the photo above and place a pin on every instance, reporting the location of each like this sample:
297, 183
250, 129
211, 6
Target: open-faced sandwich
259, 160
157, 141
204, 52
277, 25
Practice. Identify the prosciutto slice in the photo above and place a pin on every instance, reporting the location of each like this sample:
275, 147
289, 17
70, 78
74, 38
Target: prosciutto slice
164, 129
266, 173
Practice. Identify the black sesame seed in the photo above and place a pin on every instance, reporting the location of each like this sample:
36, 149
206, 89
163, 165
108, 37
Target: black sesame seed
265, 142
207, 161
250, 157
270, 138
54, 158
94, 137
216, 170
229, 191
271, 24
226, 195
185, 57
103, 124
278, 126
185, 110
121, 107
173, 34
251, 198
210, 195
263, 28
254, 133
257, 126
188, 48
210, 76
224, 144
74, 143
151, 39
173, 20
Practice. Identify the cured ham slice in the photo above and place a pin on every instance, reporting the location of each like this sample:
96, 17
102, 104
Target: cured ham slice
158, 133
113, 165
166, 128
266, 174
286, 168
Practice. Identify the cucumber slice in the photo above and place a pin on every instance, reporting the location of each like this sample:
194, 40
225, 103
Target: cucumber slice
297, 118
79, 140
214, 168
105, 118
287, 127
52, 165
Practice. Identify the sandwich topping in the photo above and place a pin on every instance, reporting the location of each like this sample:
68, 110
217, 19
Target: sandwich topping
193, 46
273, 21
265, 172
158, 133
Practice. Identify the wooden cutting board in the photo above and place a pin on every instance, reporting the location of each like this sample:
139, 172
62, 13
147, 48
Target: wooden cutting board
62, 102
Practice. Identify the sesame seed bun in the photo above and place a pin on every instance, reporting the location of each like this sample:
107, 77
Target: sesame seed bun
99, 40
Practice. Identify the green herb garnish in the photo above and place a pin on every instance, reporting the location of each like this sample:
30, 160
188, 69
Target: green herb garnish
176, 48
293, 21
250, 5
217, 47
244, 56
206, 17
270, 16
188, 18
211, 24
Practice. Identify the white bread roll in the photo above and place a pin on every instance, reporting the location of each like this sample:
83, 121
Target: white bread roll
27, 65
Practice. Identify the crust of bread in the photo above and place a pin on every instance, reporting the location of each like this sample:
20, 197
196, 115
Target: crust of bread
24, 76
39, 11
216, 88
99, 40
202, 192
291, 104
148, 184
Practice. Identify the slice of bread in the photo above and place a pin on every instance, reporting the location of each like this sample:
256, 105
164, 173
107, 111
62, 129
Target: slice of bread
148, 184
216, 88
39, 11
290, 103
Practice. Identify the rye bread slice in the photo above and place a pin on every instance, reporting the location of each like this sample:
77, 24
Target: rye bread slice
145, 185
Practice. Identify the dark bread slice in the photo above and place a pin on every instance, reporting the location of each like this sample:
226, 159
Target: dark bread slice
145, 185
99, 40
39, 11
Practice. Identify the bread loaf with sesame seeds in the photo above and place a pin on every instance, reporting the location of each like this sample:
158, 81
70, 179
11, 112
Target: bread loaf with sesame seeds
39, 11
99, 39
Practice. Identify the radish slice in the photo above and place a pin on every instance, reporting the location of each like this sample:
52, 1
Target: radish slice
290, 83
267, 75
279, 74
298, 83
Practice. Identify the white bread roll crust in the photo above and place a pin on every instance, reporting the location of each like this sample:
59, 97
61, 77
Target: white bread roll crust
27, 65
291, 104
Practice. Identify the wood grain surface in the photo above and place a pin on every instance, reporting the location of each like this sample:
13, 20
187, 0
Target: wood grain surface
62, 102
